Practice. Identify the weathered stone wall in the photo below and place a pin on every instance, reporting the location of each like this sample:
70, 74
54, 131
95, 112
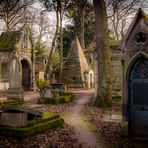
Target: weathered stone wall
116, 75
4, 62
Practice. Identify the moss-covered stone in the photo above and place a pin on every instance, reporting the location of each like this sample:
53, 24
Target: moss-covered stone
10, 102
114, 42
49, 121
65, 98
8, 40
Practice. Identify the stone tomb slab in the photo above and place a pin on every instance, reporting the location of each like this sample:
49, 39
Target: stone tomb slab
16, 116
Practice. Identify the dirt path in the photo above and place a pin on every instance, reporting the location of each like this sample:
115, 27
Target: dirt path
83, 133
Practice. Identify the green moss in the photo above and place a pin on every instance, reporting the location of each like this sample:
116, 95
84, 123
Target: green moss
7, 40
10, 102
42, 84
47, 115
92, 127
69, 98
114, 42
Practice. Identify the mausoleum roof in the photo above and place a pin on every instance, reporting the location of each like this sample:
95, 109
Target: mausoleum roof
8, 40
140, 14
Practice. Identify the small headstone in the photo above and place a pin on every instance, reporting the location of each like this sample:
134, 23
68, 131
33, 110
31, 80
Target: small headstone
46, 93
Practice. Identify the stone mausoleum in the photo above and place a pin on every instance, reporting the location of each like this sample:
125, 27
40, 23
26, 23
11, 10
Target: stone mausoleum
15, 63
135, 77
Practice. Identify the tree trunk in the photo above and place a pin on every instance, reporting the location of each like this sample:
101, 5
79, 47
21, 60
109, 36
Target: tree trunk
61, 48
48, 72
103, 86
79, 26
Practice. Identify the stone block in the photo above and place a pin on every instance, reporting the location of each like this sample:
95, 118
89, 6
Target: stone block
18, 109
46, 93
13, 119
16, 94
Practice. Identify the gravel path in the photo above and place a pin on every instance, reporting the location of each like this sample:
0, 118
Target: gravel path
83, 133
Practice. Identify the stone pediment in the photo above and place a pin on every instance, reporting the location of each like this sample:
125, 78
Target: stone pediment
140, 14
136, 36
15, 40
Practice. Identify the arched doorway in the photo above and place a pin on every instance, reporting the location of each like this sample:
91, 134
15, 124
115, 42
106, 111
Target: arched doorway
138, 97
25, 75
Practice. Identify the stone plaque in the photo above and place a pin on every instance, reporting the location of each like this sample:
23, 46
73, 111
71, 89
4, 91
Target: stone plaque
41, 75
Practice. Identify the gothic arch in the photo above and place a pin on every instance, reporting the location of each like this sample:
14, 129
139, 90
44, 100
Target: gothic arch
137, 96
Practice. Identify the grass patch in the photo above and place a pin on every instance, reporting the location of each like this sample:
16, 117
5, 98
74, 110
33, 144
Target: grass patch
92, 127
47, 122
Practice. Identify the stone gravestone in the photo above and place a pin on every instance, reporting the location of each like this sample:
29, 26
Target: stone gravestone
15, 90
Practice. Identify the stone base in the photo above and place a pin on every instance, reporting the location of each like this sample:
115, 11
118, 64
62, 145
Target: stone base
124, 129
13, 119
16, 93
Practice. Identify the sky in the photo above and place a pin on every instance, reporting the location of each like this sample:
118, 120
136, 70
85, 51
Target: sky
52, 15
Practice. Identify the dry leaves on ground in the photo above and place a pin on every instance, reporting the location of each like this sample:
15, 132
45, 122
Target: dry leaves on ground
109, 131
61, 138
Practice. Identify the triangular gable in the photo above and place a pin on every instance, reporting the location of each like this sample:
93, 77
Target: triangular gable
139, 14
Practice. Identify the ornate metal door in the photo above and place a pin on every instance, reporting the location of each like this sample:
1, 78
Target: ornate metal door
138, 98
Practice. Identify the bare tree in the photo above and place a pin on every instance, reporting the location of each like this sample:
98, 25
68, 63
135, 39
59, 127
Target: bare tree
103, 82
120, 13
12, 12
39, 26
